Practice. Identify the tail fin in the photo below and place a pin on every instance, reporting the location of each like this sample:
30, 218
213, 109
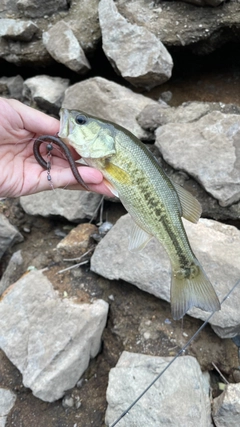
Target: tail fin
193, 292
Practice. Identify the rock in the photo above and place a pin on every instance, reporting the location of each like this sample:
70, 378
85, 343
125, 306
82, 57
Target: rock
83, 20
181, 24
49, 340
207, 150
12, 272
7, 400
9, 235
23, 53
109, 101
226, 407
46, 92
11, 87
154, 116
78, 241
179, 397
134, 52
216, 245
64, 47
32, 8
71, 204
157, 115
17, 30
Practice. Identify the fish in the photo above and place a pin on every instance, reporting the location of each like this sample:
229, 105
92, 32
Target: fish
155, 203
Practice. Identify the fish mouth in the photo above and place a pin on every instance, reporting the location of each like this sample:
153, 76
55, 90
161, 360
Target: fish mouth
64, 123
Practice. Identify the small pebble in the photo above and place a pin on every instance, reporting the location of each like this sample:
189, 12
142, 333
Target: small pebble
67, 402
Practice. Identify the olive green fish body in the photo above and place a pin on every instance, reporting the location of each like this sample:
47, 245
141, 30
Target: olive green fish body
150, 197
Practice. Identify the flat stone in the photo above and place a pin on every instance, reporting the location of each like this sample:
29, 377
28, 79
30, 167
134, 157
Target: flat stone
110, 101
226, 407
71, 204
135, 53
208, 150
64, 47
216, 245
50, 340
9, 235
179, 397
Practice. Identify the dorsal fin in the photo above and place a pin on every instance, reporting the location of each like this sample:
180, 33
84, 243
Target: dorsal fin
191, 208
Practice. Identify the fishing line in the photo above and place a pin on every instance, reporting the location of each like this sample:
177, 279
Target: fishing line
183, 349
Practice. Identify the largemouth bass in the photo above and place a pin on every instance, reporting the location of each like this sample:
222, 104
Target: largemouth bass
154, 202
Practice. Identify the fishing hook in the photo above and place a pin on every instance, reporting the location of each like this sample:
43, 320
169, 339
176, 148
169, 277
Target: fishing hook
63, 146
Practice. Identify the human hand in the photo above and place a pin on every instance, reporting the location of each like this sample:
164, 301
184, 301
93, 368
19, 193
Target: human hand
20, 174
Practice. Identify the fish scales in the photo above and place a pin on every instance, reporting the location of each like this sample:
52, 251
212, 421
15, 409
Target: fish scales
149, 191
154, 202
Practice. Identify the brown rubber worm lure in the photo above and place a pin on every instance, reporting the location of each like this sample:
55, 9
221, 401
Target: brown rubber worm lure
45, 165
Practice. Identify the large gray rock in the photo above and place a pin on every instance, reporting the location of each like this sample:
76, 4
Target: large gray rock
216, 245
179, 398
208, 150
71, 204
50, 340
64, 47
45, 92
109, 101
9, 235
135, 53
226, 407
7, 400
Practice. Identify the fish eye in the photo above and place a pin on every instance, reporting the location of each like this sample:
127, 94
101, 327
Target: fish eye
80, 119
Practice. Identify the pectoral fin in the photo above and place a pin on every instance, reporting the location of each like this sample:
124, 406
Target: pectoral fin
138, 238
191, 208
118, 174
